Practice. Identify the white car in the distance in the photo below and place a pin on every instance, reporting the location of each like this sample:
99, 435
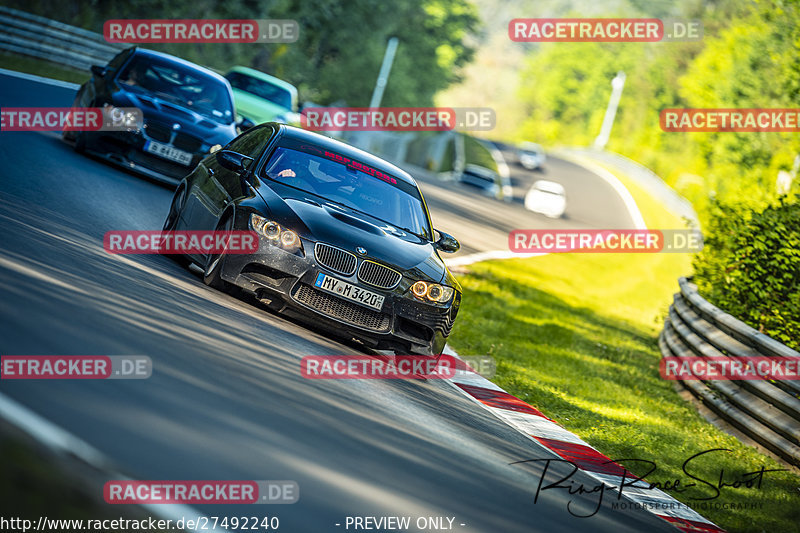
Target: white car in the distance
546, 197
531, 156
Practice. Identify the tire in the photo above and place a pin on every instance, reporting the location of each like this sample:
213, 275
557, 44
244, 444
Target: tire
80, 142
171, 222
175, 207
71, 135
213, 268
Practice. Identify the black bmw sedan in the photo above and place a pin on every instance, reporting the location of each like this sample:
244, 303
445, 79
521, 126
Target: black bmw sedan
187, 109
345, 238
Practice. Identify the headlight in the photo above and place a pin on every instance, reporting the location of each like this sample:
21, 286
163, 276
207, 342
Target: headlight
432, 291
278, 236
272, 230
420, 289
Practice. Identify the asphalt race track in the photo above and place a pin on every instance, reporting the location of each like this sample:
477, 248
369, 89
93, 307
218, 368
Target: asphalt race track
226, 399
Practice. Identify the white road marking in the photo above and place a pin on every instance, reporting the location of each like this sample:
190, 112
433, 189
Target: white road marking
39, 79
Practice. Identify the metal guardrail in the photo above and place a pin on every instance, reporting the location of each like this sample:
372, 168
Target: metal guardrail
62, 44
766, 411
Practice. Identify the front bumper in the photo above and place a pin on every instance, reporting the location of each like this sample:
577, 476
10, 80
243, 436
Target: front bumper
126, 148
285, 282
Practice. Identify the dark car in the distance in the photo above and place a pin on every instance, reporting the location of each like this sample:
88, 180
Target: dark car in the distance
187, 110
345, 238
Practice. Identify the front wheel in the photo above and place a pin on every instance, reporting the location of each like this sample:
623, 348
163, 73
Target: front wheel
80, 142
175, 208
171, 222
213, 270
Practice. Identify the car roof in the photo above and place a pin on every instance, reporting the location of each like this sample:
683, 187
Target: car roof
527, 145
265, 77
549, 186
347, 150
481, 171
143, 52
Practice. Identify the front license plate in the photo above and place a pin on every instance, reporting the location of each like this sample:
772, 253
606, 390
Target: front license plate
349, 291
168, 152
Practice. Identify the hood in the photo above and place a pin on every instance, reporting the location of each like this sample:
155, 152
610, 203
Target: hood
257, 109
317, 220
156, 109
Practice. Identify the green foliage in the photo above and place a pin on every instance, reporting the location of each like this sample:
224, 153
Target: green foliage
750, 267
749, 57
575, 336
341, 44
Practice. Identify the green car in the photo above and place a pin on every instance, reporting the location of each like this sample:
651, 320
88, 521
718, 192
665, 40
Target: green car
261, 98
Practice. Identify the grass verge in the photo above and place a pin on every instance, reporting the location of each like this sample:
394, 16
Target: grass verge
576, 336
39, 67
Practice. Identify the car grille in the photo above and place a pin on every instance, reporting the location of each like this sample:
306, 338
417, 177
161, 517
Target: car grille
158, 132
340, 309
187, 143
335, 259
162, 166
377, 275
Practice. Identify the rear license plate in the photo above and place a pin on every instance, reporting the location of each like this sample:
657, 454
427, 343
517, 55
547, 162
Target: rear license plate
349, 291
168, 152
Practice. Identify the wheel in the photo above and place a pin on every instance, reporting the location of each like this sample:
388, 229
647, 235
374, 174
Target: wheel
171, 222
178, 201
213, 269
80, 142
71, 135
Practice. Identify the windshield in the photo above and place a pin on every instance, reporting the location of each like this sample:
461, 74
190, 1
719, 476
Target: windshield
179, 85
352, 184
262, 89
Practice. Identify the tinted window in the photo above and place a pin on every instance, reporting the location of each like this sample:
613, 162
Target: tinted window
120, 58
262, 89
252, 141
180, 86
350, 184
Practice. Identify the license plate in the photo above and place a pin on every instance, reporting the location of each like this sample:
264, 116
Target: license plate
168, 152
349, 291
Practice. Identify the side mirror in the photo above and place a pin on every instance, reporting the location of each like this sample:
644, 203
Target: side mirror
233, 160
98, 71
447, 243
